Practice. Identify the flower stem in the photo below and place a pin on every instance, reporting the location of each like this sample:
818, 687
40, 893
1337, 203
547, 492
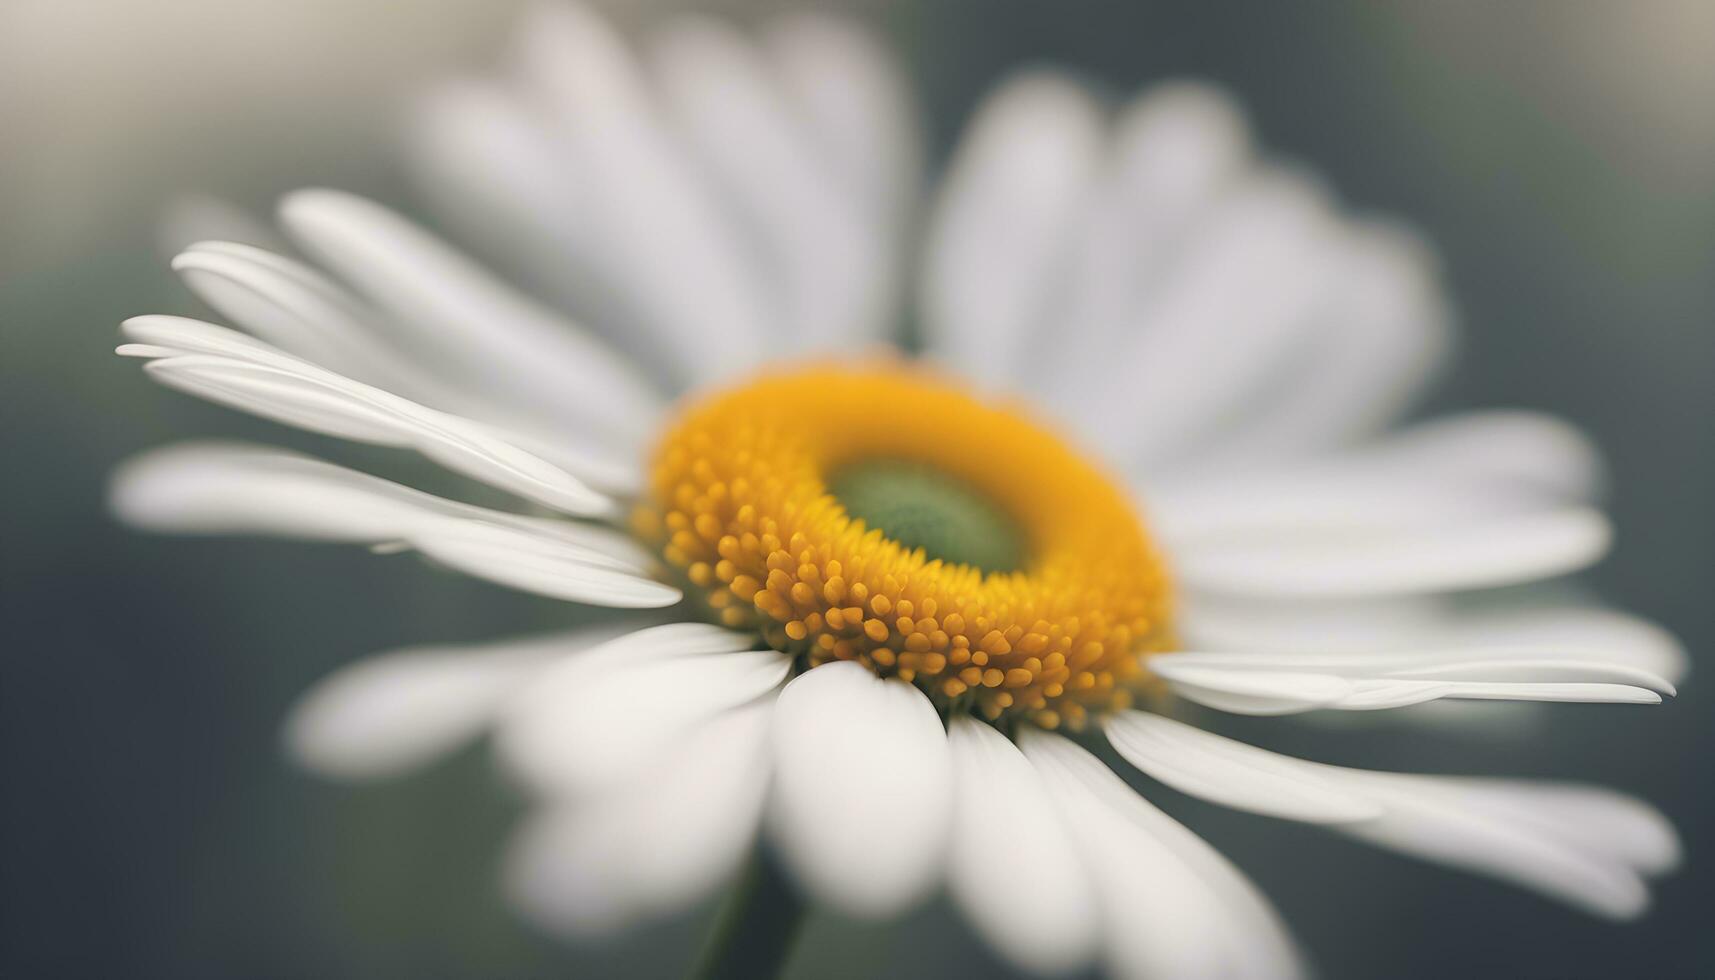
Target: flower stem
756, 926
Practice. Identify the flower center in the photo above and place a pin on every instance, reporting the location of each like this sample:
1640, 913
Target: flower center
881, 514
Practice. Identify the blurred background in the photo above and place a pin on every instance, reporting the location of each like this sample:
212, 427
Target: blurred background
1561, 154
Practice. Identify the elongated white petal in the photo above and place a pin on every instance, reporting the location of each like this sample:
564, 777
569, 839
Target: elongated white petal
1177, 148
514, 349
998, 236
1282, 683
1231, 773
597, 719
394, 712
224, 488
829, 251
1583, 845
1013, 868
670, 250
853, 98
227, 367
1581, 629
862, 795
1241, 300
1171, 905
653, 846
296, 309
489, 165
1382, 332
1391, 558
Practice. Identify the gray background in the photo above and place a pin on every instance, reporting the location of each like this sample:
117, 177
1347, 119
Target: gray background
1561, 154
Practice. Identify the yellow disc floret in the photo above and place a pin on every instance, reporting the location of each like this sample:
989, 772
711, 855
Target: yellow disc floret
739, 502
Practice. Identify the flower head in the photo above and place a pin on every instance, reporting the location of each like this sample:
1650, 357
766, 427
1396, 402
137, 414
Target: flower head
1139, 468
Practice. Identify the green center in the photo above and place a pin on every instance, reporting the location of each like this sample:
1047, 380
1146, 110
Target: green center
921, 507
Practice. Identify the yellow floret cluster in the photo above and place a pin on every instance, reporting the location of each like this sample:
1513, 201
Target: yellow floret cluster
738, 503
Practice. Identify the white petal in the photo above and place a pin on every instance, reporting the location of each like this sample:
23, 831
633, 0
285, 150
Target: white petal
595, 720
1384, 329
1241, 299
854, 98
1580, 844
232, 369
669, 247
1177, 147
1231, 773
862, 793
220, 488
1172, 906
827, 249
1013, 868
394, 712
290, 305
1580, 629
491, 168
1280, 683
1378, 552
513, 349
653, 846
998, 238
294, 308
1561, 841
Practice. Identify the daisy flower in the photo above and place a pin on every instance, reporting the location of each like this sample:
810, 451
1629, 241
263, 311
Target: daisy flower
1129, 457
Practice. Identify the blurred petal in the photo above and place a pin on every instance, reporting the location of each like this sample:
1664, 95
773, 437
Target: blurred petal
598, 719
657, 844
225, 488
830, 254
1013, 867
1177, 147
862, 796
999, 233
1382, 331
669, 248
1381, 546
1239, 301
1171, 905
852, 95
509, 347
395, 712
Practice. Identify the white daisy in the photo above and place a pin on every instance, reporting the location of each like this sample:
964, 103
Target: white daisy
901, 598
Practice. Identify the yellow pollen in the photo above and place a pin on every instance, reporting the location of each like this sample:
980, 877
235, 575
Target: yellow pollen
739, 504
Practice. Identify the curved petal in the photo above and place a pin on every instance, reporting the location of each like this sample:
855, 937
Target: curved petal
862, 795
514, 350
597, 719
394, 712
227, 367
1013, 868
1171, 905
224, 488
653, 846
1230, 773
1583, 845
1282, 683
